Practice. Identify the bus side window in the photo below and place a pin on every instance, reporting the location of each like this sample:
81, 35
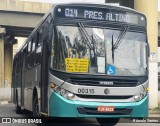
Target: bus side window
33, 50
28, 54
39, 38
33, 44
38, 48
16, 68
29, 47
18, 61
16, 71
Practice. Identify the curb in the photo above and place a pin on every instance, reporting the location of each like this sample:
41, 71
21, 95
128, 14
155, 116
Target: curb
154, 113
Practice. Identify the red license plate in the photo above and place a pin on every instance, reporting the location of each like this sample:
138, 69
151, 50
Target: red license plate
105, 108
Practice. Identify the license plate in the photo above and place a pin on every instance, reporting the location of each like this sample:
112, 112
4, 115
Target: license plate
105, 108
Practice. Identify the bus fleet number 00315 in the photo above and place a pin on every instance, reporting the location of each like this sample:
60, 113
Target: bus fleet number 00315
85, 91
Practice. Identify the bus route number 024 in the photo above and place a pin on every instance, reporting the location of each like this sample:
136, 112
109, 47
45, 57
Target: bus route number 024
85, 91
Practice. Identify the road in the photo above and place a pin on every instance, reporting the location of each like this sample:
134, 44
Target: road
8, 110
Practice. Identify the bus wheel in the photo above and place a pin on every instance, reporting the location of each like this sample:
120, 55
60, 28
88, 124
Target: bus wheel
106, 121
18, 108
35, 107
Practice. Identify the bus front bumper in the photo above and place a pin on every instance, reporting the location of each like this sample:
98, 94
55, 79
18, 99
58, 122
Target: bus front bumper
62, 107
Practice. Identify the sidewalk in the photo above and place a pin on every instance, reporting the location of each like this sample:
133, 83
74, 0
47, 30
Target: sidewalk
153, 113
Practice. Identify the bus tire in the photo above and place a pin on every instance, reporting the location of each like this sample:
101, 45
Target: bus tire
18, 108
106, 121
35, 107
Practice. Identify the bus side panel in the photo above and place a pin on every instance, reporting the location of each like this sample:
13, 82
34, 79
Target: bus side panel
27, 90
32, 76
18, 81
19, 88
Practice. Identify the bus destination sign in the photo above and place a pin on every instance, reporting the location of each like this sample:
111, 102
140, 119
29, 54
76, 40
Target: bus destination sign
102, 14
98, 15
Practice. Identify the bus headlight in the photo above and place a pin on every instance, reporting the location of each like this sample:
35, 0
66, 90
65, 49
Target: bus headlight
137, 98
70, 96
140, 96
64, 93
57, 89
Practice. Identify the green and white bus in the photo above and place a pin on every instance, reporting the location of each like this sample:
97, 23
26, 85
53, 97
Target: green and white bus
84, 60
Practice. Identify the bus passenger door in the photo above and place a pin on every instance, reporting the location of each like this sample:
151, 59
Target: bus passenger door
45, 67
44, 75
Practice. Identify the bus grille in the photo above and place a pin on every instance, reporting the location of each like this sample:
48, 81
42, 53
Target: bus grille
97, 82
93, 111
103, 97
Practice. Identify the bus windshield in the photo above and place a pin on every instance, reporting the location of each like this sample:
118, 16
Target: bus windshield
90, 50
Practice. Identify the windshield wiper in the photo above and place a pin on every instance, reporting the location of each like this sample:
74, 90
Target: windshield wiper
85, 34
112, 50
120, 38
118, 41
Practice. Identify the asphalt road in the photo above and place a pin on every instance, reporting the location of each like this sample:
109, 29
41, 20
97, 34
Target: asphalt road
8, 110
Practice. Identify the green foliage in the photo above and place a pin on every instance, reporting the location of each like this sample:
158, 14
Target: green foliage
157, 108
